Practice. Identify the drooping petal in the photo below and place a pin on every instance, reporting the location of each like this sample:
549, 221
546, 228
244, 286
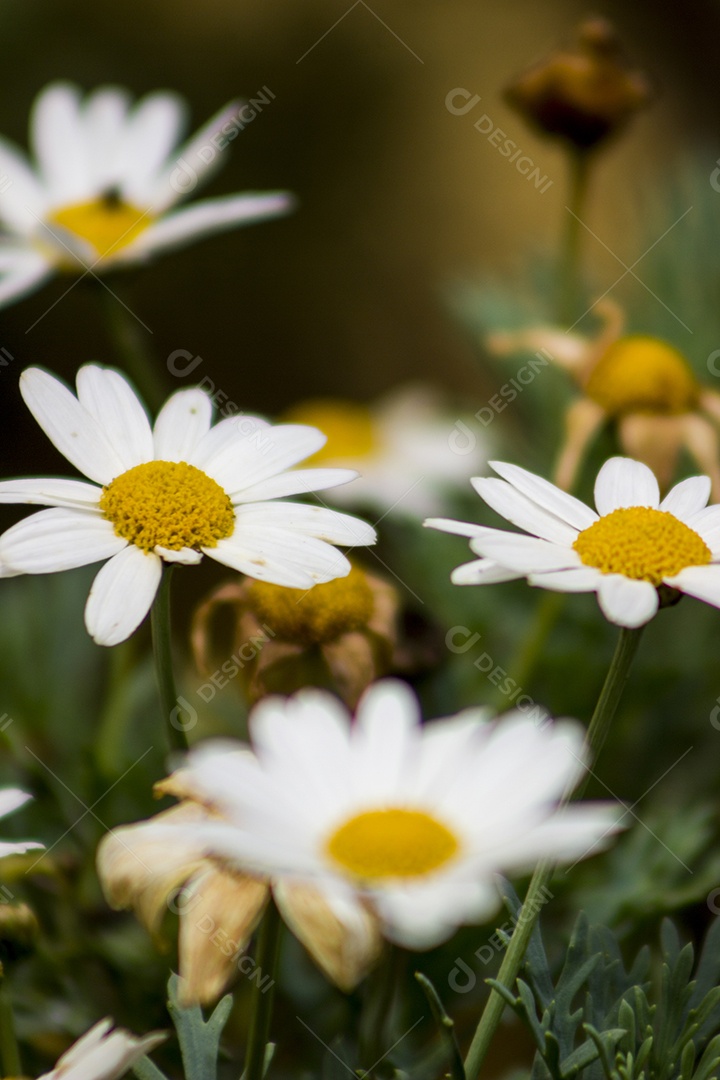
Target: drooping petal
626, 602
702, 582
623, 482
277, 556
69, 426
576, 579
483, 572
121, 595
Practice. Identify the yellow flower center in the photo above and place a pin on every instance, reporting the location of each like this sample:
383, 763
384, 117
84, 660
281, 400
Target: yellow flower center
349, 428
317, 615
108, 224
643, 374
168, 504
641, 543
392, 843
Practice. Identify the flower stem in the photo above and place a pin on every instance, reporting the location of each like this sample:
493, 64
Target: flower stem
263, 993
596, 734
130, 338
570, 254
162, 651
8, 1043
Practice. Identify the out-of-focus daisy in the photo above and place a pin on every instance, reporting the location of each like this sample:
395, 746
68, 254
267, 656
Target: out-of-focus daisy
642, 384
160, 864
169, 493
407, 447
103, 189
635, 552
12, 799
384, 815
103, 1053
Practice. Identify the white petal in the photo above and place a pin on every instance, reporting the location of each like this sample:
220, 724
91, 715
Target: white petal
185, 556
250, 453
458, 528
59, 145
20, 848
181, 423
12, 799
121, 595
482, 572
523, 512
69, 426
524, 554
103, 119
51, 492
152, 131
276, 555
112, 402
702, 582
688, 497
58, 539
297, 482
297, 518
203, 219
623, 482
547, 495
576, 579
706, 523
192, 164
31, 271
23, 200
626, 602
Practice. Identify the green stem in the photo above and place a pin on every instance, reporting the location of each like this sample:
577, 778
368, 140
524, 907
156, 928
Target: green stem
162, 651
266, 958
130, 338
570, 254
8, 1042
380, 997
596, 734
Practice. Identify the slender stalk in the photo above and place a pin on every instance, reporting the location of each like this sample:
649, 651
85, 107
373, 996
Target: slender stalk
162, 651
380, 997
570, 254
8, 1042
266, 958
132, 347
596, 734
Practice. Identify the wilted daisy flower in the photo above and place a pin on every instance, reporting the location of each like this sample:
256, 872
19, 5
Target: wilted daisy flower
171, 493
103, 1054
383, 815
105, 182
641, 384
12, 799
635, 552
407, 448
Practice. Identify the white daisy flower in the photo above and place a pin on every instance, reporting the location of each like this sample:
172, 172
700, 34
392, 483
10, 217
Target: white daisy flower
103, 1054
410, 451
410, 822
105, 182
11, 799
174, 492
631, 552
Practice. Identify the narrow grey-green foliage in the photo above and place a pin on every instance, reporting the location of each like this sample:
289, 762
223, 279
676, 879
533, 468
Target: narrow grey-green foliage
599, 1021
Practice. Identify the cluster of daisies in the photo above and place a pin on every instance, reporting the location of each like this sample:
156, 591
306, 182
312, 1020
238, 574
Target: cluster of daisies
377, 828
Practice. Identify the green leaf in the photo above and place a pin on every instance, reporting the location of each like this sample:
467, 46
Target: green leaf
199, 1039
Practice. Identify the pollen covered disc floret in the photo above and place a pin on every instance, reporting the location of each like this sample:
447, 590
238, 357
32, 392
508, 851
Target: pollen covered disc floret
643, 374
396, 842
106, 224
168, 504
641, 543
